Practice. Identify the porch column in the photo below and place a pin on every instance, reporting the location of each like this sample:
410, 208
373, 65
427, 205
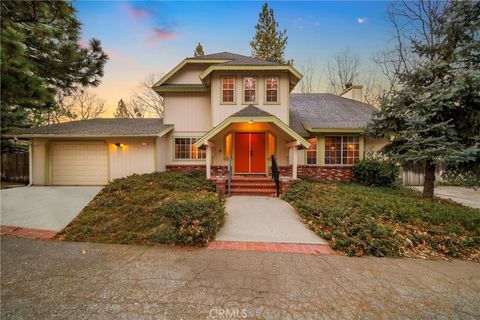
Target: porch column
293, 146
208, 161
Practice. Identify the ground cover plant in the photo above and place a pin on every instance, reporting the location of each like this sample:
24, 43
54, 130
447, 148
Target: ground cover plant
361, 220
160, 207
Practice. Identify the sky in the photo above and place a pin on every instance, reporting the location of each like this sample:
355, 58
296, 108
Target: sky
143, 37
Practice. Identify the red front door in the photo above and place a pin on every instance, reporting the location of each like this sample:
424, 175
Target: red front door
250, 152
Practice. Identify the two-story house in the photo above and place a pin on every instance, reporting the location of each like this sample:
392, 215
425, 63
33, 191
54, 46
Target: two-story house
220, 109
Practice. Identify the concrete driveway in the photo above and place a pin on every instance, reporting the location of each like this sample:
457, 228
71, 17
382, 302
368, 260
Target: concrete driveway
45, 208
264, 219
465, 196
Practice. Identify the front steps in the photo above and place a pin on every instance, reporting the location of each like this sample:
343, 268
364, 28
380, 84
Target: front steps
264, 186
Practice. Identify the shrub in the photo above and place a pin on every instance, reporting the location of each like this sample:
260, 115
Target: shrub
376, 172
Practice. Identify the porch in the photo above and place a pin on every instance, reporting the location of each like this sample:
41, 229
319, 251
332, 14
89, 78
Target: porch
247, 144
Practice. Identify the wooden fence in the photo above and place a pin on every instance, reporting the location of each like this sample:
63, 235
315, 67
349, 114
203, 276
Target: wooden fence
15, 167
414, 176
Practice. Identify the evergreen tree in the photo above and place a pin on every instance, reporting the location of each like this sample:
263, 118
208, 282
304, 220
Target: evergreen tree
198, 50
268, 43
122, 110
435, 116
41, 57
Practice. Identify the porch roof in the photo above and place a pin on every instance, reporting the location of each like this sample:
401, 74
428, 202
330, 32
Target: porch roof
252, 114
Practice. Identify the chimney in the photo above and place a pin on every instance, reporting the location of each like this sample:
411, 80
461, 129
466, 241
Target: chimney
354, 92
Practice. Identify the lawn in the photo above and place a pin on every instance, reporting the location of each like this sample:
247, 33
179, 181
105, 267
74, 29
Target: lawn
156, 208
359, 220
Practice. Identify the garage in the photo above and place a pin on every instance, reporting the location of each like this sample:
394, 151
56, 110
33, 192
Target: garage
79, 163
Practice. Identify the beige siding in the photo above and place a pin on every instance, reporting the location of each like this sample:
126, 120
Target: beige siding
38, 161
137, 156
188, 112
162, 151
189, 74
222, 111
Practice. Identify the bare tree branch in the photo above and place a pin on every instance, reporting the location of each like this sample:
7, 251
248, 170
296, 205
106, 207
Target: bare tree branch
145, 99
342, 72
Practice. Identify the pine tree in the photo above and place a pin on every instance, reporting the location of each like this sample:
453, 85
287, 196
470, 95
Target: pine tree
269, 43
198, 50
41, 57
122, 110
435, 116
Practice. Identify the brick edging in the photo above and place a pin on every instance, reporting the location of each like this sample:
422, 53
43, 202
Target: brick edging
315, 249
18, 232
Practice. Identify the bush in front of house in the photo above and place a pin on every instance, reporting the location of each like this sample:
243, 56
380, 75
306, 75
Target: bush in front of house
376, 172
155, 208
360, 220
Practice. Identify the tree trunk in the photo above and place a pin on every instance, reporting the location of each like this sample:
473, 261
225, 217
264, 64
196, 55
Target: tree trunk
429, 180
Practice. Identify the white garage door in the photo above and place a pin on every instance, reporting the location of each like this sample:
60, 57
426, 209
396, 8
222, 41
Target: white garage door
75, 163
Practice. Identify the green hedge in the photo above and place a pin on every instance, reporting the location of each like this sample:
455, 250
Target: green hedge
375, 172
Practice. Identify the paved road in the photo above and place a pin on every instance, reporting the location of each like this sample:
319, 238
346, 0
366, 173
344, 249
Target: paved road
264, 219
57, 280
46, 208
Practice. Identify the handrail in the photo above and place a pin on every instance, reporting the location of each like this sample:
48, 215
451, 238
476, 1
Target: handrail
229, 181
276, 174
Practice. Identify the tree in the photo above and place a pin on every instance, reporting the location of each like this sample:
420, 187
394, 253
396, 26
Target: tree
198, 50
122, 110
342, 72
41, 57
306, 84
434, 115
268, 43
145, 100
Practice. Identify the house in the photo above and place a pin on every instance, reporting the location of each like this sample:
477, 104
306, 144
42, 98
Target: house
219, 108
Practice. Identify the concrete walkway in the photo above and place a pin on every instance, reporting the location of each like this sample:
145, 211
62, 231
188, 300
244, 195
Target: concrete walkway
61, 280
44, 208
264, 219
465, 196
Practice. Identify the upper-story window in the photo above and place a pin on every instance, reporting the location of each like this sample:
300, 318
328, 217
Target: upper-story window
249, 89
228, 89
271, 89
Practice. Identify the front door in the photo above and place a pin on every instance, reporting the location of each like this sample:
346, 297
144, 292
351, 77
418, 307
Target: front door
250, 152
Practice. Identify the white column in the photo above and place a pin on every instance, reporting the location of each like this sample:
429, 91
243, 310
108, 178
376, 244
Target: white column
209, 160
295, 162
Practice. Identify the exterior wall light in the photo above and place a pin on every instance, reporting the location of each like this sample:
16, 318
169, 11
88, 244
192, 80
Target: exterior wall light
250, 122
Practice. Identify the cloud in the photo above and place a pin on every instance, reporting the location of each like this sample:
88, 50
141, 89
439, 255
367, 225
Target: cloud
137, 13
163, 34
361, 20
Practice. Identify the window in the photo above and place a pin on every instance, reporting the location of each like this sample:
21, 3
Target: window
184, 149
312, 151
341, 149
271, 89
228, 89
249, 89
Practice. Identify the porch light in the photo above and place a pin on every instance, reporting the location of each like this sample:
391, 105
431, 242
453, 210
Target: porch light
144, 144
119, 145
250, 122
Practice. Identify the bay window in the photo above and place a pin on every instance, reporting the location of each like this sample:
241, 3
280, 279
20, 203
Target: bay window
341, 150
185, 150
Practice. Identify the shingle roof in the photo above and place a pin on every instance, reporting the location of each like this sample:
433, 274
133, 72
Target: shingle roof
236, 59
251, 111
100, 127
325, 110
